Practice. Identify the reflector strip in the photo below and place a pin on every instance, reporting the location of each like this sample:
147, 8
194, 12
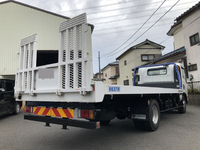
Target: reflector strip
46, 112
56, 112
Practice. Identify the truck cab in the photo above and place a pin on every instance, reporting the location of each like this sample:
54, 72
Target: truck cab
168, 75
7, 100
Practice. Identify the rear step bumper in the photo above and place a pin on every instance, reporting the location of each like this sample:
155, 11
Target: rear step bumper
63, 121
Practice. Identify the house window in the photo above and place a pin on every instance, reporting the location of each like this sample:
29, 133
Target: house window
117, 70
126, 82
105, 74
194, 39
125, 62
148, 57
192, 67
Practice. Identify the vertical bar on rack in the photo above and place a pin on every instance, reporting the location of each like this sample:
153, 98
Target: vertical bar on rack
23, 67
83, 56
29, 66
60, 60
75, 57
67, 60
34, 57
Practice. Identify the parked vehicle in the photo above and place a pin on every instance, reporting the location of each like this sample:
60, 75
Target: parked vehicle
7, 101
54, 92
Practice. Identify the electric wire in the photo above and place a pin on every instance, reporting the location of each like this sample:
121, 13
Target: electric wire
166, 38
138, 28
145, 30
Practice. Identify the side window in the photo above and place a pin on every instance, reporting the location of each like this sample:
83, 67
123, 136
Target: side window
9, 86
126, 82
194, 39
157, 71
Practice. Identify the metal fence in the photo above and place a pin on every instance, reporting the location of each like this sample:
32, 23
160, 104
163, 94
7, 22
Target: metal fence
194, 87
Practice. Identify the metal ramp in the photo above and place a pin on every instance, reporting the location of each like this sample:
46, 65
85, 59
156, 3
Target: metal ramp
72, 73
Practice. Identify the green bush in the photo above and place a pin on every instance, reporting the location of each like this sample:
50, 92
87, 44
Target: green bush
194, 91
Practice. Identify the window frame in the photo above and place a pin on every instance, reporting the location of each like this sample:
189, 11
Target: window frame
125, 62
192, 66
126, 82
155, 69
148, 55
194, 37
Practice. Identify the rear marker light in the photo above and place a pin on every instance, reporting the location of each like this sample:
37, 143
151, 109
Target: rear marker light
88, 114
28, 109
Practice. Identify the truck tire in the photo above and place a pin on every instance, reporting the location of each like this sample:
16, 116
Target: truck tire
153, 117
182, 110
16, 109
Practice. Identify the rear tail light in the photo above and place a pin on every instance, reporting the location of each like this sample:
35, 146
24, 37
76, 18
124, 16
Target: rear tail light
28, 109
87, 114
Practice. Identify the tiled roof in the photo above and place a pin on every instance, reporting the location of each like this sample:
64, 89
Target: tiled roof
140, 44
188, 11
111, 64
180, 50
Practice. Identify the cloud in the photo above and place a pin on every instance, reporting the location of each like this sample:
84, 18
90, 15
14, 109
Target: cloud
116, 20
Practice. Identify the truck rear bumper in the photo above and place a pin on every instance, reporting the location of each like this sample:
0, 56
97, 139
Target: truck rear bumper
64, 121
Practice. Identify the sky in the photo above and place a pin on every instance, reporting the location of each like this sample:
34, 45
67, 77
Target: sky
121, 24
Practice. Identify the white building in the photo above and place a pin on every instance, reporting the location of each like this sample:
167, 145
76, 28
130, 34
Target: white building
185, 32
18, 21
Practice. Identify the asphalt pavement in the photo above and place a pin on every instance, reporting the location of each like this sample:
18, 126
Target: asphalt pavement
176, 132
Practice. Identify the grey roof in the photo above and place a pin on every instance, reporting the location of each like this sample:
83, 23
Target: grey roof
111, 64
140, 44
170, 54
114, 77
189, 11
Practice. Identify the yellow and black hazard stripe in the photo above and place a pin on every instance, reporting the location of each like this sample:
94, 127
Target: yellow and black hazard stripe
55, 112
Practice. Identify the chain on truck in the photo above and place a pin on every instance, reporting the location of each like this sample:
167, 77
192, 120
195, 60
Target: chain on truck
65, 92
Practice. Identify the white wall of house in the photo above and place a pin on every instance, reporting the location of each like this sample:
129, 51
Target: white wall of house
18, 22
179, 38
193, 52
133, 59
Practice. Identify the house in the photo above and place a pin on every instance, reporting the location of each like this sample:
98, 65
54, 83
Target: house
140, 54
111, 72
185, 32
19, 20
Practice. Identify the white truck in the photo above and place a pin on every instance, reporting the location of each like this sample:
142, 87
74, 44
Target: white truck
54, 93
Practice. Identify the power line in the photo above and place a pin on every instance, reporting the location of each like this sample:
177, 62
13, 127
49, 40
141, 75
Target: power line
181, 29
166, 39
125, 30
139, 27
111, 28
136, 12
98, 6
147, 29
105, 11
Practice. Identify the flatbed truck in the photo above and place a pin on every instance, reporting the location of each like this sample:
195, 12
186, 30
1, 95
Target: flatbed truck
54, 93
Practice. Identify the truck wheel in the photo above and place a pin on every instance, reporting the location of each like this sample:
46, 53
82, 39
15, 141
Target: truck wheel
154, 117
105, 122
139, 124
182, 110
17, 108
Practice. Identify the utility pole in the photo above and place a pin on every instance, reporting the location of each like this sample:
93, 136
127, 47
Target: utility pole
99, 64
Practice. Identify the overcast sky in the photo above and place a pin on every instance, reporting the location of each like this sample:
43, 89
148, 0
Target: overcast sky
116, 21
